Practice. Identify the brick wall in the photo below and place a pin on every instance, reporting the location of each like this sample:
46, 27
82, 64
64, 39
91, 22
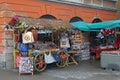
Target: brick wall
61, 11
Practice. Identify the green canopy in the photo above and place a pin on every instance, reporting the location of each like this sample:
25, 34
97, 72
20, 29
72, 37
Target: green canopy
84, 26
107, 24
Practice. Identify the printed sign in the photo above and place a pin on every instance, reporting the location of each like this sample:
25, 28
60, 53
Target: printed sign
26, 65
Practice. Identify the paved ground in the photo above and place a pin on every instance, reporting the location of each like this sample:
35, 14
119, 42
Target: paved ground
84, 71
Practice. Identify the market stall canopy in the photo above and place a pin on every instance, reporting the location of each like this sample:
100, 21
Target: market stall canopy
84, 26
107, 24
52, 24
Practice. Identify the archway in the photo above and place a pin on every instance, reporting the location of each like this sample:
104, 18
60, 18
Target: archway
75, 19
93, 40
48, 16
96, 20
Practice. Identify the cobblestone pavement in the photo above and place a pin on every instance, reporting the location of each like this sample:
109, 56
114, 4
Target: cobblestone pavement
84, 71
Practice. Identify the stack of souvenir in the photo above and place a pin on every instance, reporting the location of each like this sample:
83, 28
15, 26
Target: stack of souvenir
76, 39
84, 51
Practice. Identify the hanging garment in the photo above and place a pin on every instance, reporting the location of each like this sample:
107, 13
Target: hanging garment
107, 31
49, 58
23, 47
110, 38
37, 45
56, 57
16, 38
111, 31
24, 54
117, 42
64, 43
35, 52
18, 60
100, 35
28, 37
13, 21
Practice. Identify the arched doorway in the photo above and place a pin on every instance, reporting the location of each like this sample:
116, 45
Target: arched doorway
93, 40
48, 16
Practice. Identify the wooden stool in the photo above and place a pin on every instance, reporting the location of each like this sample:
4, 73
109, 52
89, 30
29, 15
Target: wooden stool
71, 56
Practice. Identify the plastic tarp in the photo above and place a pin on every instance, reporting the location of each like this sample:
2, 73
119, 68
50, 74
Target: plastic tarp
84, 26
107, 24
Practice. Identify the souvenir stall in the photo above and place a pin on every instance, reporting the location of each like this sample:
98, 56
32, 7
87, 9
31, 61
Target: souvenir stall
110, 59
38, 42
104, 38
104, 41
80, 45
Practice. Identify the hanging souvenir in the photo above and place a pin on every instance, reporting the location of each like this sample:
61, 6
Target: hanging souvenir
56, 57
13, 21
107, 31
100, 35
23, 26
23, 47
35, 52
16, 37
110, 38
64, 43
27, 37
18, 60
24, 54
49, 58
116, 42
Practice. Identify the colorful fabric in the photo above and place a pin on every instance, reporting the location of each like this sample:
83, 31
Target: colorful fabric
107, 31
18, 60
100, 35
117, 42
110, 38
23, 47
